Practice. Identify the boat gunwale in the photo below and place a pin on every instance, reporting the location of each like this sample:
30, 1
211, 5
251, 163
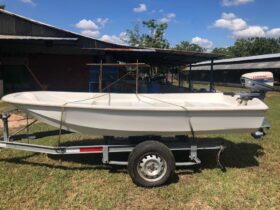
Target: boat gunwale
178, 108
171, 106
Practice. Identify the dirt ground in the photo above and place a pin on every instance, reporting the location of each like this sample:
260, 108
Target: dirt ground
15, 121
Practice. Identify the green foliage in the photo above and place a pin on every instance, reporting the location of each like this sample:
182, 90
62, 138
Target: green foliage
224, 51
2, 6
154, 38
187, 46
251, 46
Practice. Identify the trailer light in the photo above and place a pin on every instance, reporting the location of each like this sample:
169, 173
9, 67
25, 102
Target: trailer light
91, 149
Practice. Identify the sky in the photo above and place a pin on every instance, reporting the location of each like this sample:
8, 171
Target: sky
208, 23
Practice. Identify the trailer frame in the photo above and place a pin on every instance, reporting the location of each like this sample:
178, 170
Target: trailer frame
190, 145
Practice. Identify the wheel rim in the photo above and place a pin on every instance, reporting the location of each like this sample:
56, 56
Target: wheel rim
152, 167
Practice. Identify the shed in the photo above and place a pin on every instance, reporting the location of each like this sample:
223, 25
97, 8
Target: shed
38, 56
230, 70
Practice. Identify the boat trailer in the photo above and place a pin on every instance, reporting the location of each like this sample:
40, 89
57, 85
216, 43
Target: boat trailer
151, 155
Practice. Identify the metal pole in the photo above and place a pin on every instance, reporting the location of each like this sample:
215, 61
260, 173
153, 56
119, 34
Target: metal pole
27, 128
190, 78
136, 79
5, 118
100, 76
212, 76
179, 75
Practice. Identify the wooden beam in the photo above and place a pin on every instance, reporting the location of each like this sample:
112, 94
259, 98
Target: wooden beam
34, 77
120, 64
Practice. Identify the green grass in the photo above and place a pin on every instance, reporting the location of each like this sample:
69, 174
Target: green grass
252, 180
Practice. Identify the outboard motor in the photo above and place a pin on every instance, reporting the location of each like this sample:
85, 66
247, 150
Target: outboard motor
259, 83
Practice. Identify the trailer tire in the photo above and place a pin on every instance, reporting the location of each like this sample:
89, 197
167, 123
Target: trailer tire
151, 164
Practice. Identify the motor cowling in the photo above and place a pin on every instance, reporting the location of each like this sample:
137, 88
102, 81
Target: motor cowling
258, 81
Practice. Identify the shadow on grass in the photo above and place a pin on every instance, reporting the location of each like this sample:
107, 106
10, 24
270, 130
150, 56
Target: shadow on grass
38, 135
236, 155
24, 160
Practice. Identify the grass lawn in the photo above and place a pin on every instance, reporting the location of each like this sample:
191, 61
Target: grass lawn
39, 181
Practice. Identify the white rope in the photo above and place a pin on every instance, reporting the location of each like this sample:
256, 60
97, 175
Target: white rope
81, 100
184, 108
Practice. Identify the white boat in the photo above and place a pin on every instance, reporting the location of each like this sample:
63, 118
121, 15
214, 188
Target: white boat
113, 114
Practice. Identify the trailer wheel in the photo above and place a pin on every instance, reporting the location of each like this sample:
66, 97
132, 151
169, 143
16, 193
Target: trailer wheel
151, 164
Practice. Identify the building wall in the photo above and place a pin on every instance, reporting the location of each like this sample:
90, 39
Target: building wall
61, 72
25, 62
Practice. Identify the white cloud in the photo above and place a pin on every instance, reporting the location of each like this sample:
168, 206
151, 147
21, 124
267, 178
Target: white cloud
85, 24
228, 16
90, 28
229, 3
274, 33
115, 39
230, 21
140, 8
204, 43
168, 18
102, 21
250, 31
92, 34
28, 2
241, 29
124, 36
171, 15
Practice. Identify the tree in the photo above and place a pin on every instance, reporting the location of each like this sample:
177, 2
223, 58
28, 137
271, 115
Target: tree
133, 36
224, 51
187, 46
256, 46
2, 6
154, 38
250, 47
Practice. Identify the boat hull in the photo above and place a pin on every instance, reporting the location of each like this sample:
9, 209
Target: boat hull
141, 114
146, 122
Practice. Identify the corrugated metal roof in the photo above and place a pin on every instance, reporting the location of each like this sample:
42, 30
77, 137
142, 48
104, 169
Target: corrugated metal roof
56, 28
171, 51
242, 59
122, 53
14, 37
156, 56
241, 66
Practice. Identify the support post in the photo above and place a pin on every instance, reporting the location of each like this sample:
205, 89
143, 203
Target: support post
105, 154
179, 75
211, 89
5, 118
190, 79
136, 79
100, 76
